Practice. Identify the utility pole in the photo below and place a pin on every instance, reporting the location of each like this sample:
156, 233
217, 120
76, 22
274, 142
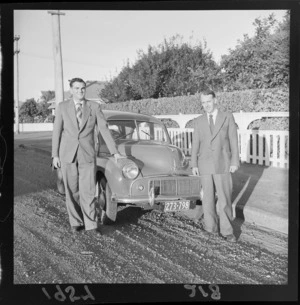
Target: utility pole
16, 52
59, 83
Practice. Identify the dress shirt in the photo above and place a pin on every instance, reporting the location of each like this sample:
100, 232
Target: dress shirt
214, 114
76, 103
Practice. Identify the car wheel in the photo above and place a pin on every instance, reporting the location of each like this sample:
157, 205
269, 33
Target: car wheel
107, 210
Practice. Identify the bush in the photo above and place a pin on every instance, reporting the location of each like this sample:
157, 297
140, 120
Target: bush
248, 101
26, 119
38, 119
169, 123
49, 119
258, 100
270, 124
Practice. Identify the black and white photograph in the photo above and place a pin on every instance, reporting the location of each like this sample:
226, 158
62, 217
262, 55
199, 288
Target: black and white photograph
151, 149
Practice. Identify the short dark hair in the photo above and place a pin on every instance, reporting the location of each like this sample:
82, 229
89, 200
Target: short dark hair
76, 79
208, 92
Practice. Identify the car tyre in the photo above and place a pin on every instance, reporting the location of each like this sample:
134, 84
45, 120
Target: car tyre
107, 210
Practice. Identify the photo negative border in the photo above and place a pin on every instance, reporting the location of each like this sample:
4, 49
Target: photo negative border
144, 293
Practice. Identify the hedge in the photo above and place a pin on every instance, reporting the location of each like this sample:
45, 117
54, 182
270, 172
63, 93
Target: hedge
270, 124
276, 99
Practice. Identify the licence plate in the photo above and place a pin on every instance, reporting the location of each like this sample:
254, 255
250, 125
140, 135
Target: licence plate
171, 206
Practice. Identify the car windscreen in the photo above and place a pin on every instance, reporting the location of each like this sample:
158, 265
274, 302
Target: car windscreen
137, 130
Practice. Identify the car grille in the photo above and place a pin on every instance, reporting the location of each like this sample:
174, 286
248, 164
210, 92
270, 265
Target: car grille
180, 187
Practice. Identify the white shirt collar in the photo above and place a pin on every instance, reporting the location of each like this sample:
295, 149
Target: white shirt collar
75, 102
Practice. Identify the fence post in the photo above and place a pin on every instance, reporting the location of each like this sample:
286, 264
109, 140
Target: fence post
282, 151
267, 148
244, 136
254, 147
260, 149
189, 150
275, 149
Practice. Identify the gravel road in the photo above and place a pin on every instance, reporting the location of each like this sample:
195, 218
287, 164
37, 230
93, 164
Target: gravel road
142, 247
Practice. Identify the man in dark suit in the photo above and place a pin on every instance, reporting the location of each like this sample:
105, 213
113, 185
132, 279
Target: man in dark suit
73, 149
215, 156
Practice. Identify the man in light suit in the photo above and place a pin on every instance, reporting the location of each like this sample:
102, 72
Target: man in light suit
215, 156
73, 150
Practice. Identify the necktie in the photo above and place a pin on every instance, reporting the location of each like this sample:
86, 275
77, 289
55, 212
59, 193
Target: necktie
79, 113
211, 123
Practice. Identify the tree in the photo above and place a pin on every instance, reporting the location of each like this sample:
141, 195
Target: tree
47, 96
172, 68
43, 105
43, 109
28, 111
261, 61
120, 88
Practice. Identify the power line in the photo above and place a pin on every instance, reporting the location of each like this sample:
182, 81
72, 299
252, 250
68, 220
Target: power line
65, 60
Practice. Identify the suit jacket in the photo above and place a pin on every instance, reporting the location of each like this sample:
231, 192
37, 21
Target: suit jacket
67, 137
215, 153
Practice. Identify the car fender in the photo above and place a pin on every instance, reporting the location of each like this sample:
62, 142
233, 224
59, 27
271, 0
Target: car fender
112, 170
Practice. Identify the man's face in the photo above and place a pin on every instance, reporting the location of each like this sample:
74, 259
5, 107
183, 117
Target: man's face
208, 103
78, 91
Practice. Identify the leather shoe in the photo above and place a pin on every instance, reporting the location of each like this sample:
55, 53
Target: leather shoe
231, 238
215, 234
76, 229
94, 232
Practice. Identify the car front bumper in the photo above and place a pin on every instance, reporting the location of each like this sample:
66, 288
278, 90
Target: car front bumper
158, 204
149, 192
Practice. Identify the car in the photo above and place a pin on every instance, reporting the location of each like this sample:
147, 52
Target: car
154, 174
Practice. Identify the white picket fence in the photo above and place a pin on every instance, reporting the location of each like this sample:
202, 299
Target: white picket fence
33, 127
264, 147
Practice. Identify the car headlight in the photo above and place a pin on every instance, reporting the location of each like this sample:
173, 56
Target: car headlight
130, 170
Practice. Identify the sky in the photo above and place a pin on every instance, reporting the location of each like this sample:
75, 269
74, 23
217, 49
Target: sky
97, 44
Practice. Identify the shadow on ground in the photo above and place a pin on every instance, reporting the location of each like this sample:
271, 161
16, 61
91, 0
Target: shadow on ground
244, 183
32, 171
126, 216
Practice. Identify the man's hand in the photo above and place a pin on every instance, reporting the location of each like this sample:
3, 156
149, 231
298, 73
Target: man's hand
233, 168
118, 156
56, 162
195, 171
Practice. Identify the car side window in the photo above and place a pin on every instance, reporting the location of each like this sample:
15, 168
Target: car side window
102, 147
122, 130
115, 131
145, 131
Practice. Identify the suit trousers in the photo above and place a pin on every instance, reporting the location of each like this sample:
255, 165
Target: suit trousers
80, 186
222, 184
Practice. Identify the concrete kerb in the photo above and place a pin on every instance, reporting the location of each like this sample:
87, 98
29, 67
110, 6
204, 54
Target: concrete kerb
262, 218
